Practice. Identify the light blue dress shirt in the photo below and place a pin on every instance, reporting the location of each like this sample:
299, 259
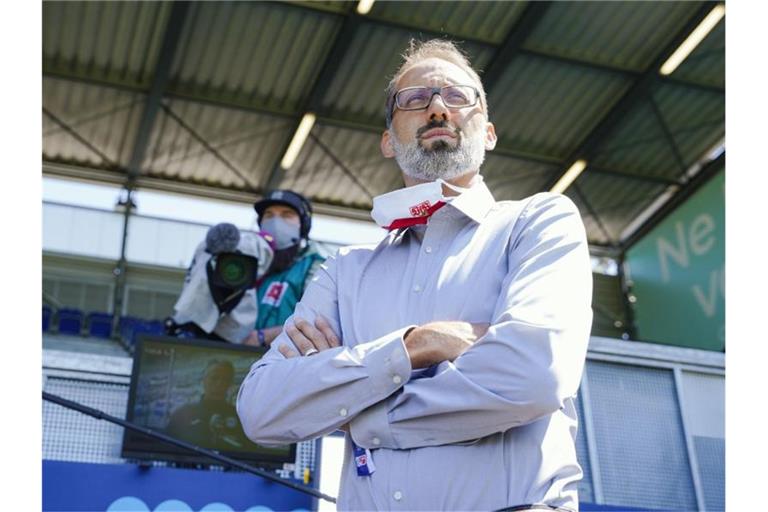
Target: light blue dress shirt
492, 429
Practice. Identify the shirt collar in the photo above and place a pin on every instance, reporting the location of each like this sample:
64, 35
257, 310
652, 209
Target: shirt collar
475, 203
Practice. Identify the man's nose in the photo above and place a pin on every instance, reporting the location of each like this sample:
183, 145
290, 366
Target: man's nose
437, 108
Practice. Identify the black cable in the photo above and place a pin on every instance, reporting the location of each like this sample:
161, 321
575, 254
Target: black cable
187, 446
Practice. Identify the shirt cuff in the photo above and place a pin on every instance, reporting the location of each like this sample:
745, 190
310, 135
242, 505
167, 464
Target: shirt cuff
387, 362
370, 428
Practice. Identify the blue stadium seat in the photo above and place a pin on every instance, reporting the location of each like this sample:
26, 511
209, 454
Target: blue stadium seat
70, 321
147, 327
99, 324
47, 313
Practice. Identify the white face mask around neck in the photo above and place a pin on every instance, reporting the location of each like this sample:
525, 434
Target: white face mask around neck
413, 205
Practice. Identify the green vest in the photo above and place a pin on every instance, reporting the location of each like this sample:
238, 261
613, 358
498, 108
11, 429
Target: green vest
278, 294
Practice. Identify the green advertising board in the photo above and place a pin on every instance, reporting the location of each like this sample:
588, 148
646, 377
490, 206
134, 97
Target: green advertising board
677, 273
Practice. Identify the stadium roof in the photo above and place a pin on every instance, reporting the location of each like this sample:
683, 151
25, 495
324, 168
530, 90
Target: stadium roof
204, 98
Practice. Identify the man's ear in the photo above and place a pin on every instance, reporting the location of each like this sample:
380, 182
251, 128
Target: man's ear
386, 145
490, 136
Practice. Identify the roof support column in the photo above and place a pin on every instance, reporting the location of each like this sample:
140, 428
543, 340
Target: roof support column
152, 106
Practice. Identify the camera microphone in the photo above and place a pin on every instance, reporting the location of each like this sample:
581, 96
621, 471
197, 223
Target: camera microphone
223, 237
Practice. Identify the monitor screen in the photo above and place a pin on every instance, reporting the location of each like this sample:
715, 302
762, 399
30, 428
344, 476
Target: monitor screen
187, 389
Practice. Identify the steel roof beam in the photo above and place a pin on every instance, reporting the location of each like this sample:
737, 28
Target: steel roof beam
627, 73
149, 115
637, 92
162, 73
317, 7
667, 133
507, 152
79, 138
320, 8
514, 40
116, 84
208, 147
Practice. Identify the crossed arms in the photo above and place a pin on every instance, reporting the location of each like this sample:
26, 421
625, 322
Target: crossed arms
442, 382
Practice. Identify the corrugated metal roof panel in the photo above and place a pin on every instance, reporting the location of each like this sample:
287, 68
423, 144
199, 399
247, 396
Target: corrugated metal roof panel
512, 178
249, 142
317, 172
252, 53
706, 64
638, 145
615, 200
543, 107
110, 41
107, 118
357, 91
237, 60
695, 119
485, 21
625, 35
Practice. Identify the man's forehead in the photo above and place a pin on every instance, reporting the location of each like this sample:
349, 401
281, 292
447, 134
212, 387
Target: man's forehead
280, 208
425, 71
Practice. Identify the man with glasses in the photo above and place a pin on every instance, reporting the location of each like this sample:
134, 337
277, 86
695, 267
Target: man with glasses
452, 351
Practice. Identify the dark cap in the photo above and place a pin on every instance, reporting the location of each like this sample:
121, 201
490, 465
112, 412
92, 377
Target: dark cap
291, 199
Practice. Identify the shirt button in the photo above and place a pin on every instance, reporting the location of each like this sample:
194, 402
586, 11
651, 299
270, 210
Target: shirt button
428, 249
397, 495
376, 441
397, 379
342, 412
417, 288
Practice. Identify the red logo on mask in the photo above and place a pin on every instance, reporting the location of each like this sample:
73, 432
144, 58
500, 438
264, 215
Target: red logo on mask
420, 210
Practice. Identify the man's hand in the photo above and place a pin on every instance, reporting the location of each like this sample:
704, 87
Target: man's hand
309, 339
270, 333
436, 342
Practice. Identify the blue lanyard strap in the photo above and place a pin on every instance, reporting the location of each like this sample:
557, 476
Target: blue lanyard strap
363, 460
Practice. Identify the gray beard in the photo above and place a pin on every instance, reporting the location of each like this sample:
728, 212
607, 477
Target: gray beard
441, 160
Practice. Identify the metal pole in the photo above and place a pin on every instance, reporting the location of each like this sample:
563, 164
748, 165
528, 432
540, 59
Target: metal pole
626, 290
693, 462
591, 439
119, 270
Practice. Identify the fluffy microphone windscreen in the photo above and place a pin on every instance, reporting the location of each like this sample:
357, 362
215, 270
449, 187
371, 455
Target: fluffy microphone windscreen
222, 237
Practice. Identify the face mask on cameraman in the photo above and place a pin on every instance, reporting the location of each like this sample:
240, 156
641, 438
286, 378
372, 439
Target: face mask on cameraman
290, 238
285, 233
287, 237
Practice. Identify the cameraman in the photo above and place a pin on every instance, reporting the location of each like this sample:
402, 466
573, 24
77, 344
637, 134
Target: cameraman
287, 217
218, 300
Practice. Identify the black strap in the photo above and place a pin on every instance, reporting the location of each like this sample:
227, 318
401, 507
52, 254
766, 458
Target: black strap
533, 506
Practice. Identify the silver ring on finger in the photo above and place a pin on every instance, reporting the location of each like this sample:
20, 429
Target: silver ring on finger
311, 352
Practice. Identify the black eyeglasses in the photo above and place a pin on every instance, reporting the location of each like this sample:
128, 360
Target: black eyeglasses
419, 98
